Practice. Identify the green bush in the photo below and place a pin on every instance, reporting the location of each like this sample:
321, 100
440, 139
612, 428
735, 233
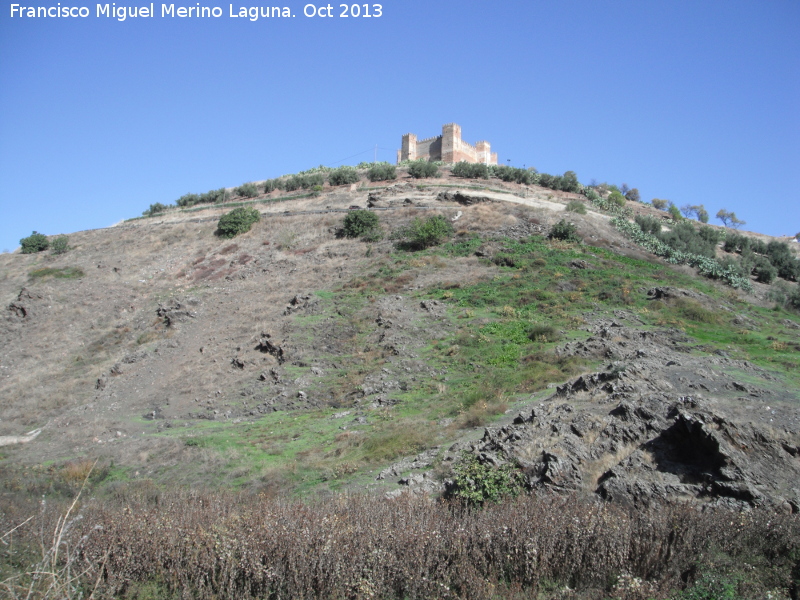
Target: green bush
633, 195
470, 170
683, 237
270, 185
764, 271
779, 254
187, 200
239, 220
420, 169
304, 181
648, 224
675, 213
576, 206
424, 233
476, 483
543, 333
381, 172
358, 223
617, 198
35, 242
155, 209
565, 231
60, 245
247, 190
514, 174
343, 176
708, 267
210, 197
569, 182
659, 203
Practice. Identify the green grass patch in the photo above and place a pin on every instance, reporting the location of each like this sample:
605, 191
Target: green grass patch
57, 273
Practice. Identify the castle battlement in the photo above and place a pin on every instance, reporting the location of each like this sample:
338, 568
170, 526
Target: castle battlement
448, 147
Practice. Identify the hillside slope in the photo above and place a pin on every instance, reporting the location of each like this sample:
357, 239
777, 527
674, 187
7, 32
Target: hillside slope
289, 358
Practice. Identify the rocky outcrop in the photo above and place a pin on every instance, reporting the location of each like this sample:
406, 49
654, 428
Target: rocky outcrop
656, 424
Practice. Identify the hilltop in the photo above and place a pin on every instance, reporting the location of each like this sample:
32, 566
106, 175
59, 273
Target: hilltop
294, 360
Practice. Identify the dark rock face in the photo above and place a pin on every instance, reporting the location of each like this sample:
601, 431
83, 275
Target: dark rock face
267, 346
648, 428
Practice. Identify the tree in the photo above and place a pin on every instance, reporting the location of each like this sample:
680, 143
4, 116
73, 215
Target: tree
381, 172
624, 189
569, 182
155, 209
687, 210
35, 242
729, 219
420, 169
702, 213
659, 203
633, 195
675, 213
239, 220
343, 176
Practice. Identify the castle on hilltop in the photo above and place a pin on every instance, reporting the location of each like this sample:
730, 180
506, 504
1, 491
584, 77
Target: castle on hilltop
448, 147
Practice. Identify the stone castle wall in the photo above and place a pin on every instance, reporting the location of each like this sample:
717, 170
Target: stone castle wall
448, 147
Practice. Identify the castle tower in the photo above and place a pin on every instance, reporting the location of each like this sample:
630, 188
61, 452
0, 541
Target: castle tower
484, 152
451, 143
408, 149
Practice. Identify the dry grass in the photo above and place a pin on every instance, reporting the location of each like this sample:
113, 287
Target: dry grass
244, 546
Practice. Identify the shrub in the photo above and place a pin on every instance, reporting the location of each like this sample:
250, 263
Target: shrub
685, 238
305, 182
702, 213
543, 333
576, 206
476, 483
187, 200
707, 266
470, 170
381, 172
239, 220
271, 185
424, 233
647, 224
420, 169
343, 176
788, 267
155, 209
617, 198
569, 182
659, 203
514, 174
633, 195
60, 245
214, 196
35, 242
764, 271
736, 242
247, 190
565, 231
359, 222
675, 213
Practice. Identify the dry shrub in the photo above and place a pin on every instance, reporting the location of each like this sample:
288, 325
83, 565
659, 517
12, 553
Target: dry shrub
245, 546
75, 472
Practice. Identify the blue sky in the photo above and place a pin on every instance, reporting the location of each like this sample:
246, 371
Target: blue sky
696, 102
